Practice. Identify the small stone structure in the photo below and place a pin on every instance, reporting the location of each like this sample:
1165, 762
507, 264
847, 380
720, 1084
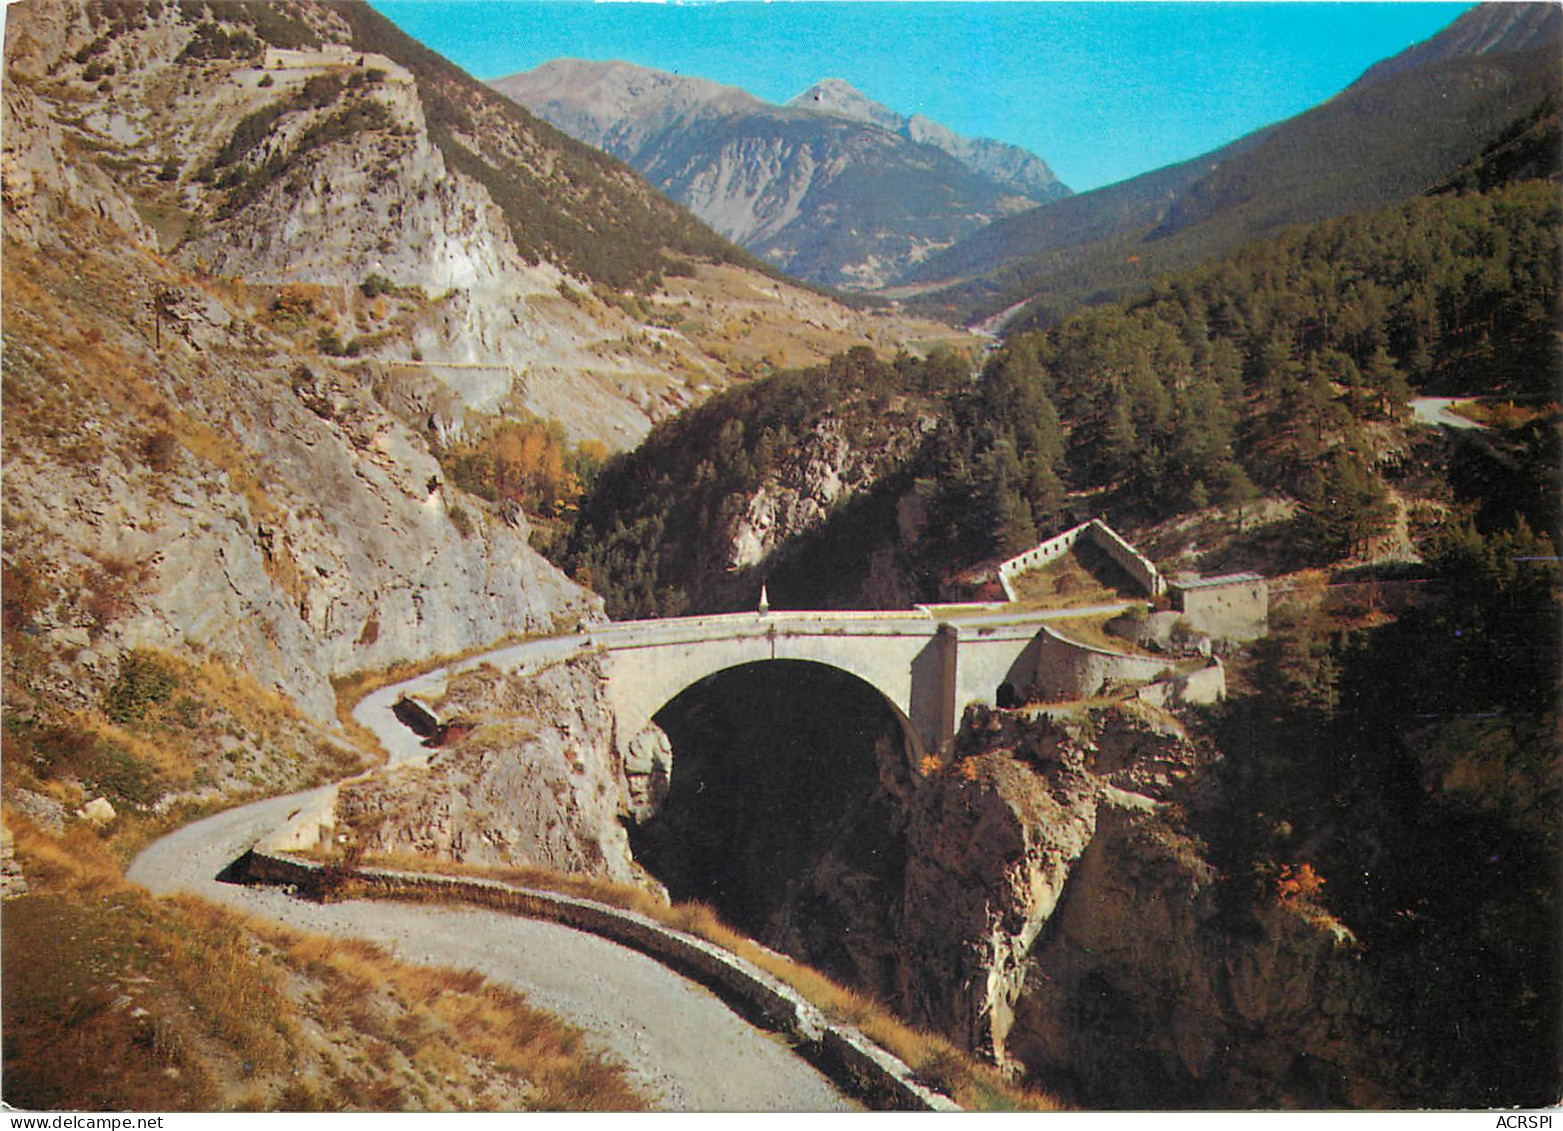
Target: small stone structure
1167, 631
1130, 560
1203, 686
1233, 607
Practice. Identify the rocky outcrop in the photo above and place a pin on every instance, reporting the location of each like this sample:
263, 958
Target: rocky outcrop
993, 842
826, 470
13, 882
42, 186
1050, 908
1149, 992
44, 812
990, 849
648, 771
530, 778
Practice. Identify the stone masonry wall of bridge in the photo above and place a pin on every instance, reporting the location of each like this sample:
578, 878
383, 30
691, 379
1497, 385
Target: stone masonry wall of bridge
927, 666
901, 656
928, 669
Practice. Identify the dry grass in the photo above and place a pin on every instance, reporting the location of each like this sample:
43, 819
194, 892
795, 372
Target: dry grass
934, 1058
1093, 631
1502, 414
451, 1016
208, 738
116, 1000
1068, 582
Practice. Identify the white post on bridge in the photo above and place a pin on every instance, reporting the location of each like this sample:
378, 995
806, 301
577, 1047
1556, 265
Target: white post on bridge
765, 600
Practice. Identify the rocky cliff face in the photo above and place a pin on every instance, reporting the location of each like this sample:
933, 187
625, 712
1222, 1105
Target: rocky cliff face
831, 187
826, 471
1148, 992
205, 523
294, 537
1050, 908
309, 145
529, 778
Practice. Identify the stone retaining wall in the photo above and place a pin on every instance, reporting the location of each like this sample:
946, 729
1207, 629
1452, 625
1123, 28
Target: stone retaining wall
842, 1052
1068, 669
1130, 560
1041, 554
1203, 686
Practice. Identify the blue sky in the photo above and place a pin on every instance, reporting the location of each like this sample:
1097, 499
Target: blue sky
1101, 91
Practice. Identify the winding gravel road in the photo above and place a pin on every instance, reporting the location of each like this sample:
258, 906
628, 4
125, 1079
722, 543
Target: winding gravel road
684, 1049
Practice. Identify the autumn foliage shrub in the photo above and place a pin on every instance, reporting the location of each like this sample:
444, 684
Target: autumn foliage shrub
296, 300
1298, 884
527, 461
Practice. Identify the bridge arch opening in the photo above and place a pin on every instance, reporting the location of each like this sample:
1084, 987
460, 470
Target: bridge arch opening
782, 782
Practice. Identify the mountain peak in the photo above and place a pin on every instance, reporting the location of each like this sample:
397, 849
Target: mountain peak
838, 96
831, 186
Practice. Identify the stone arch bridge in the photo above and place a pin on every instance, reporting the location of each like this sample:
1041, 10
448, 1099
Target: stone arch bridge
927, 666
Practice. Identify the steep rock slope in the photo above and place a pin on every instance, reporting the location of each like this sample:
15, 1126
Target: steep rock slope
1498, 30
1401, 129
831, 187
715, 503
205, 524
1052, 908
271, 512
314, 144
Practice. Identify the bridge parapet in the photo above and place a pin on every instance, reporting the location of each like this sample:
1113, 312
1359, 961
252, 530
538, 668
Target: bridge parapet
927, 667
638, 634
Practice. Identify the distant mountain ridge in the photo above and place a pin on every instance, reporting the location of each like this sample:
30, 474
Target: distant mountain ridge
1000, 162
1404, 127
832, 187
